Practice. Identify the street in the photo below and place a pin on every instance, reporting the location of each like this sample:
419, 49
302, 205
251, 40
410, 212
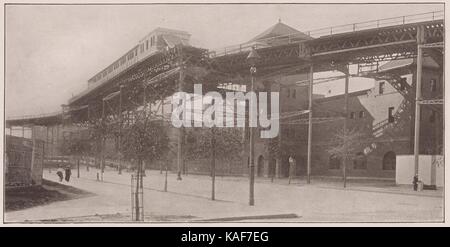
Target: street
189, 200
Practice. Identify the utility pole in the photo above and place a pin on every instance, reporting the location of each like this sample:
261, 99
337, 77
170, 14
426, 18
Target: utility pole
252, 59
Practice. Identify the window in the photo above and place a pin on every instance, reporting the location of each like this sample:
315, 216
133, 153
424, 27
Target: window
293, 93
288, 92
381, 87
334, 162
360, 161
146, 44
362, 114
391, 114
433, 85
352, 115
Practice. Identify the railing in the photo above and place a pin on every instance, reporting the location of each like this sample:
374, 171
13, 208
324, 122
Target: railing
347, 28
24, 117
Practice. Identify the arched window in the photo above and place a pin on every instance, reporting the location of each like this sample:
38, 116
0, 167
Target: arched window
334, 162
360, 161
389, 161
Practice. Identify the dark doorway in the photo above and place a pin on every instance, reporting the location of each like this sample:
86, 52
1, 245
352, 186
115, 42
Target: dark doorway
284, 169
272, 167
260, 168
389, 161
300, 168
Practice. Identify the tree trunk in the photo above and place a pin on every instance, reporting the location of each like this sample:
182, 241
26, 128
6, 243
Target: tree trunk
165, 181
213, 165
136, 194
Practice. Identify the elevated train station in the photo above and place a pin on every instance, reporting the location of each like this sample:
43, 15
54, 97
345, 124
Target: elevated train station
393, 52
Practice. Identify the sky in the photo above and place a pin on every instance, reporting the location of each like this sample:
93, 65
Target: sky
52, 50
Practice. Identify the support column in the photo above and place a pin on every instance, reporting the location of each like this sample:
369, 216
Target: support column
311, 79
57, 138
33, 154
46, 141
420, 37
181, 129
279, 159
345, 125
52, 147
119, 145
103, 141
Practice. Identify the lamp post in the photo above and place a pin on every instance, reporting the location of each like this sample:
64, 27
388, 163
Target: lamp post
252, 58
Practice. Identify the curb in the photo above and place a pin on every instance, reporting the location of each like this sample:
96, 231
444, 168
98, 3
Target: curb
254, 217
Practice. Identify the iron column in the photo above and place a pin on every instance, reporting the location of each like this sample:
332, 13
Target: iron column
345, 126
311, 72
420, 37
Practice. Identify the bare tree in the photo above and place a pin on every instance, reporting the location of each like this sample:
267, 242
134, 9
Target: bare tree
217, 144
345, 144
143, 139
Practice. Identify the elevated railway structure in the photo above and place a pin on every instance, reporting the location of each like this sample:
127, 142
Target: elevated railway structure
177, 67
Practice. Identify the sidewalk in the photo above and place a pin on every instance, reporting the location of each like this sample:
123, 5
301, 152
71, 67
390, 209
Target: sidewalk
189, 200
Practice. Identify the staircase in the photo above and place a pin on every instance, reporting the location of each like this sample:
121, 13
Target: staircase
397, 82
379, 128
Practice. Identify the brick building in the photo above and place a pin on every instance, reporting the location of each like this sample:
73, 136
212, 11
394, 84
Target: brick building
384, 112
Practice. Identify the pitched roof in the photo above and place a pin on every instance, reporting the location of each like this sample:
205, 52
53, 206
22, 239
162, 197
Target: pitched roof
281, 29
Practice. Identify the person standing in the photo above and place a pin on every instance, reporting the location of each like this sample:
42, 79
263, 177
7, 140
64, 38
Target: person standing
68, 172
60, 173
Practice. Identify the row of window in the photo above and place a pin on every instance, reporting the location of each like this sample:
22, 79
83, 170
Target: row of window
391, 117
126, 57
361, 114
291, 93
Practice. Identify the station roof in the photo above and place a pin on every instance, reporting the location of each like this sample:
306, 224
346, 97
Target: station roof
280, 29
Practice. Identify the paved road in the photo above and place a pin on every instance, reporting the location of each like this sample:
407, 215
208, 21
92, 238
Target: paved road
189, 200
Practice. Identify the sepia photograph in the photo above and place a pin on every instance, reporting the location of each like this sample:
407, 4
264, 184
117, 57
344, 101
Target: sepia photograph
201, 113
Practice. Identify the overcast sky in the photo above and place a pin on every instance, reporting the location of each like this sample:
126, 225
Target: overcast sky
51, 51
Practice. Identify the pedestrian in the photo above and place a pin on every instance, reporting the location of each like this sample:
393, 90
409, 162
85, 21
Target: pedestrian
60, 172
68, 173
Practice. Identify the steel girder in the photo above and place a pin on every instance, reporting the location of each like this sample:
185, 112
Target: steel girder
378, 44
